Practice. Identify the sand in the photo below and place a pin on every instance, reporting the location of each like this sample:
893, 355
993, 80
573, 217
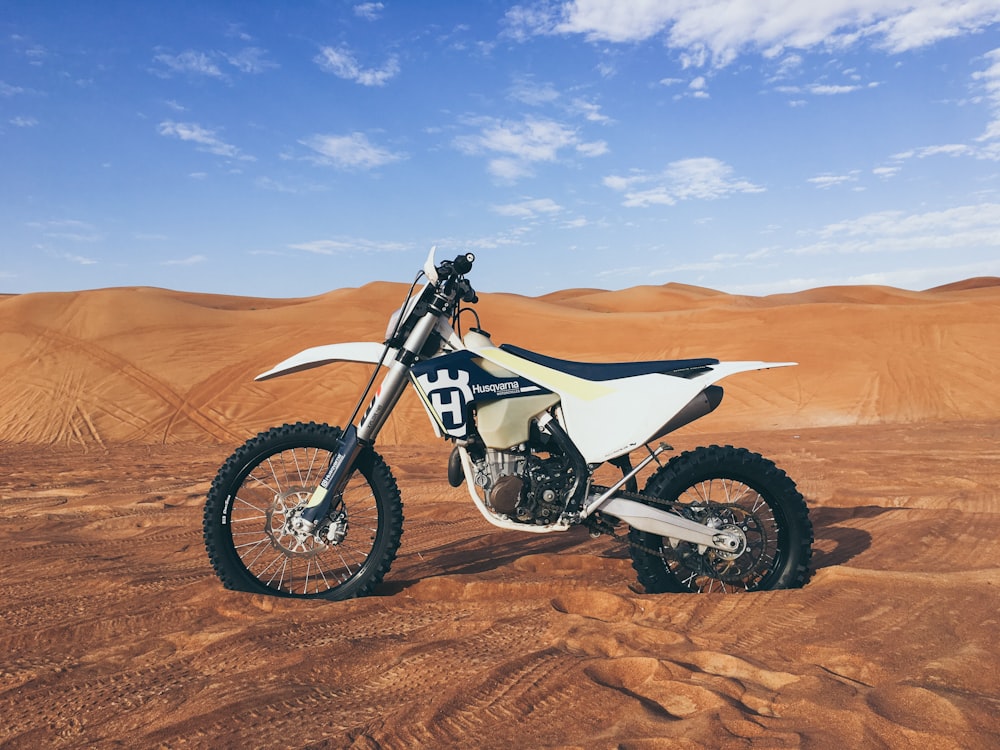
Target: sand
119, 404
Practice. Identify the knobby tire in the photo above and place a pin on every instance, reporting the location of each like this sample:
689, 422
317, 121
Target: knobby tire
260, 485
727, 485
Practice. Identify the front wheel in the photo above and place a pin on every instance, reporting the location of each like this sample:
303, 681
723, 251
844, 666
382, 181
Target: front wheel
251, 542
738, 491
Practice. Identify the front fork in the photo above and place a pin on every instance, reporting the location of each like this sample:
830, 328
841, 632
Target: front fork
355, 439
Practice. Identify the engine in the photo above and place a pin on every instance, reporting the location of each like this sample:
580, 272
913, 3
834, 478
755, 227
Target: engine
524, 486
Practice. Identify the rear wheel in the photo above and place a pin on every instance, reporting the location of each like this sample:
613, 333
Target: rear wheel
253, 546
729, 489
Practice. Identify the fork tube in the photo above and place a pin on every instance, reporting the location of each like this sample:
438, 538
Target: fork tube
355, 439
395, 381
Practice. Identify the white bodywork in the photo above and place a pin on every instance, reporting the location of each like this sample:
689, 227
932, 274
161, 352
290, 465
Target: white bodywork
367, 352
605, 418
609, 418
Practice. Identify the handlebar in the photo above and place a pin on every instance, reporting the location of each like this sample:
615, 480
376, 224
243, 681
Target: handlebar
463, 263
450, 277
458, 267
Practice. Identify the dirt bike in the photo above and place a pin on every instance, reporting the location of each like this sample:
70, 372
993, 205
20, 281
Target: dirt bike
309, 510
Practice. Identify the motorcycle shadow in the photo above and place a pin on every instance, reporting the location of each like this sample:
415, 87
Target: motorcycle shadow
485, 555
836, 544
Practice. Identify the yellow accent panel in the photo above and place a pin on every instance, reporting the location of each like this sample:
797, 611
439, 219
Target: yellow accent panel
554, 380
507, 422
317, 497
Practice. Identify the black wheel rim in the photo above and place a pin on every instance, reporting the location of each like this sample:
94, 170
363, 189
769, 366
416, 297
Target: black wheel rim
735, 505
269, 493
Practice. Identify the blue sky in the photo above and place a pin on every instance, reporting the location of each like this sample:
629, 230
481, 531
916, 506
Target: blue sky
284, 149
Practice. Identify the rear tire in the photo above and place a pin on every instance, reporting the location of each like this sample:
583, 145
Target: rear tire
262, 484
726, 487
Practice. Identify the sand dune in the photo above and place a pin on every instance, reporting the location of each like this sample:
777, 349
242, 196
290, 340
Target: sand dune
119, 405
155, 366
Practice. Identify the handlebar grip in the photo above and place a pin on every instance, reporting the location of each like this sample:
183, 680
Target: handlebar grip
463, 263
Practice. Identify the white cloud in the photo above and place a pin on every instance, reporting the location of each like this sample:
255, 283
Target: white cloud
23, 122
71, 230
369, 11
590, 111
697, 88
885, 172
352, 151
235, 31
947, 149
76, 236
824, 181
250, 60
209, 64
789, 65
509, 170
531, 139
524, 21
348, 245
976, 226
521, 143
527, 91
296, 188
717, 31
205, 138
702, 178
342, 64
191, 260
36, 54
528, 209
79, 259
989, 79
7, 89
592, 149
190, 62
826, 89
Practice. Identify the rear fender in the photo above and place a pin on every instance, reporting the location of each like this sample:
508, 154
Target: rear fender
365, 352
724, 369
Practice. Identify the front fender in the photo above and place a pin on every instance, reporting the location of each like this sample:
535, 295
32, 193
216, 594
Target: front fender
366, 352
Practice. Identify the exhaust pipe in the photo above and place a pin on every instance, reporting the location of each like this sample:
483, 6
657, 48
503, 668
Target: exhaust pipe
702, 404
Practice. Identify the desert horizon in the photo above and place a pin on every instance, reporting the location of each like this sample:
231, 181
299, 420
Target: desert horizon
119, 404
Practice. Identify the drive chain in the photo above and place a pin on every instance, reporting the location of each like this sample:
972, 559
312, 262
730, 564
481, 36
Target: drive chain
604, 526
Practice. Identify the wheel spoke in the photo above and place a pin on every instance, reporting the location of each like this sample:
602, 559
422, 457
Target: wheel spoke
291, 472
251, 517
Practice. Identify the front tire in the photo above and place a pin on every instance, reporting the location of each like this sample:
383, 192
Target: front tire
732, 488
253, 548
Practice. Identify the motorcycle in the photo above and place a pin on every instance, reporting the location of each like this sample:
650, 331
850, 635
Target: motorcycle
313, 511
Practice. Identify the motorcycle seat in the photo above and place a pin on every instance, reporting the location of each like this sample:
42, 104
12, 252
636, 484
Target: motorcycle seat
682, 368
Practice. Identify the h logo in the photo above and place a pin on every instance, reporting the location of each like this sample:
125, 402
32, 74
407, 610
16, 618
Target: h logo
449, 393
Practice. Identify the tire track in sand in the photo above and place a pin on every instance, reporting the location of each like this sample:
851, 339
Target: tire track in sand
161, 390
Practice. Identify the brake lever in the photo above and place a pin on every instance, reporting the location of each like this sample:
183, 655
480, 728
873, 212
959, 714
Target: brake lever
466, 292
